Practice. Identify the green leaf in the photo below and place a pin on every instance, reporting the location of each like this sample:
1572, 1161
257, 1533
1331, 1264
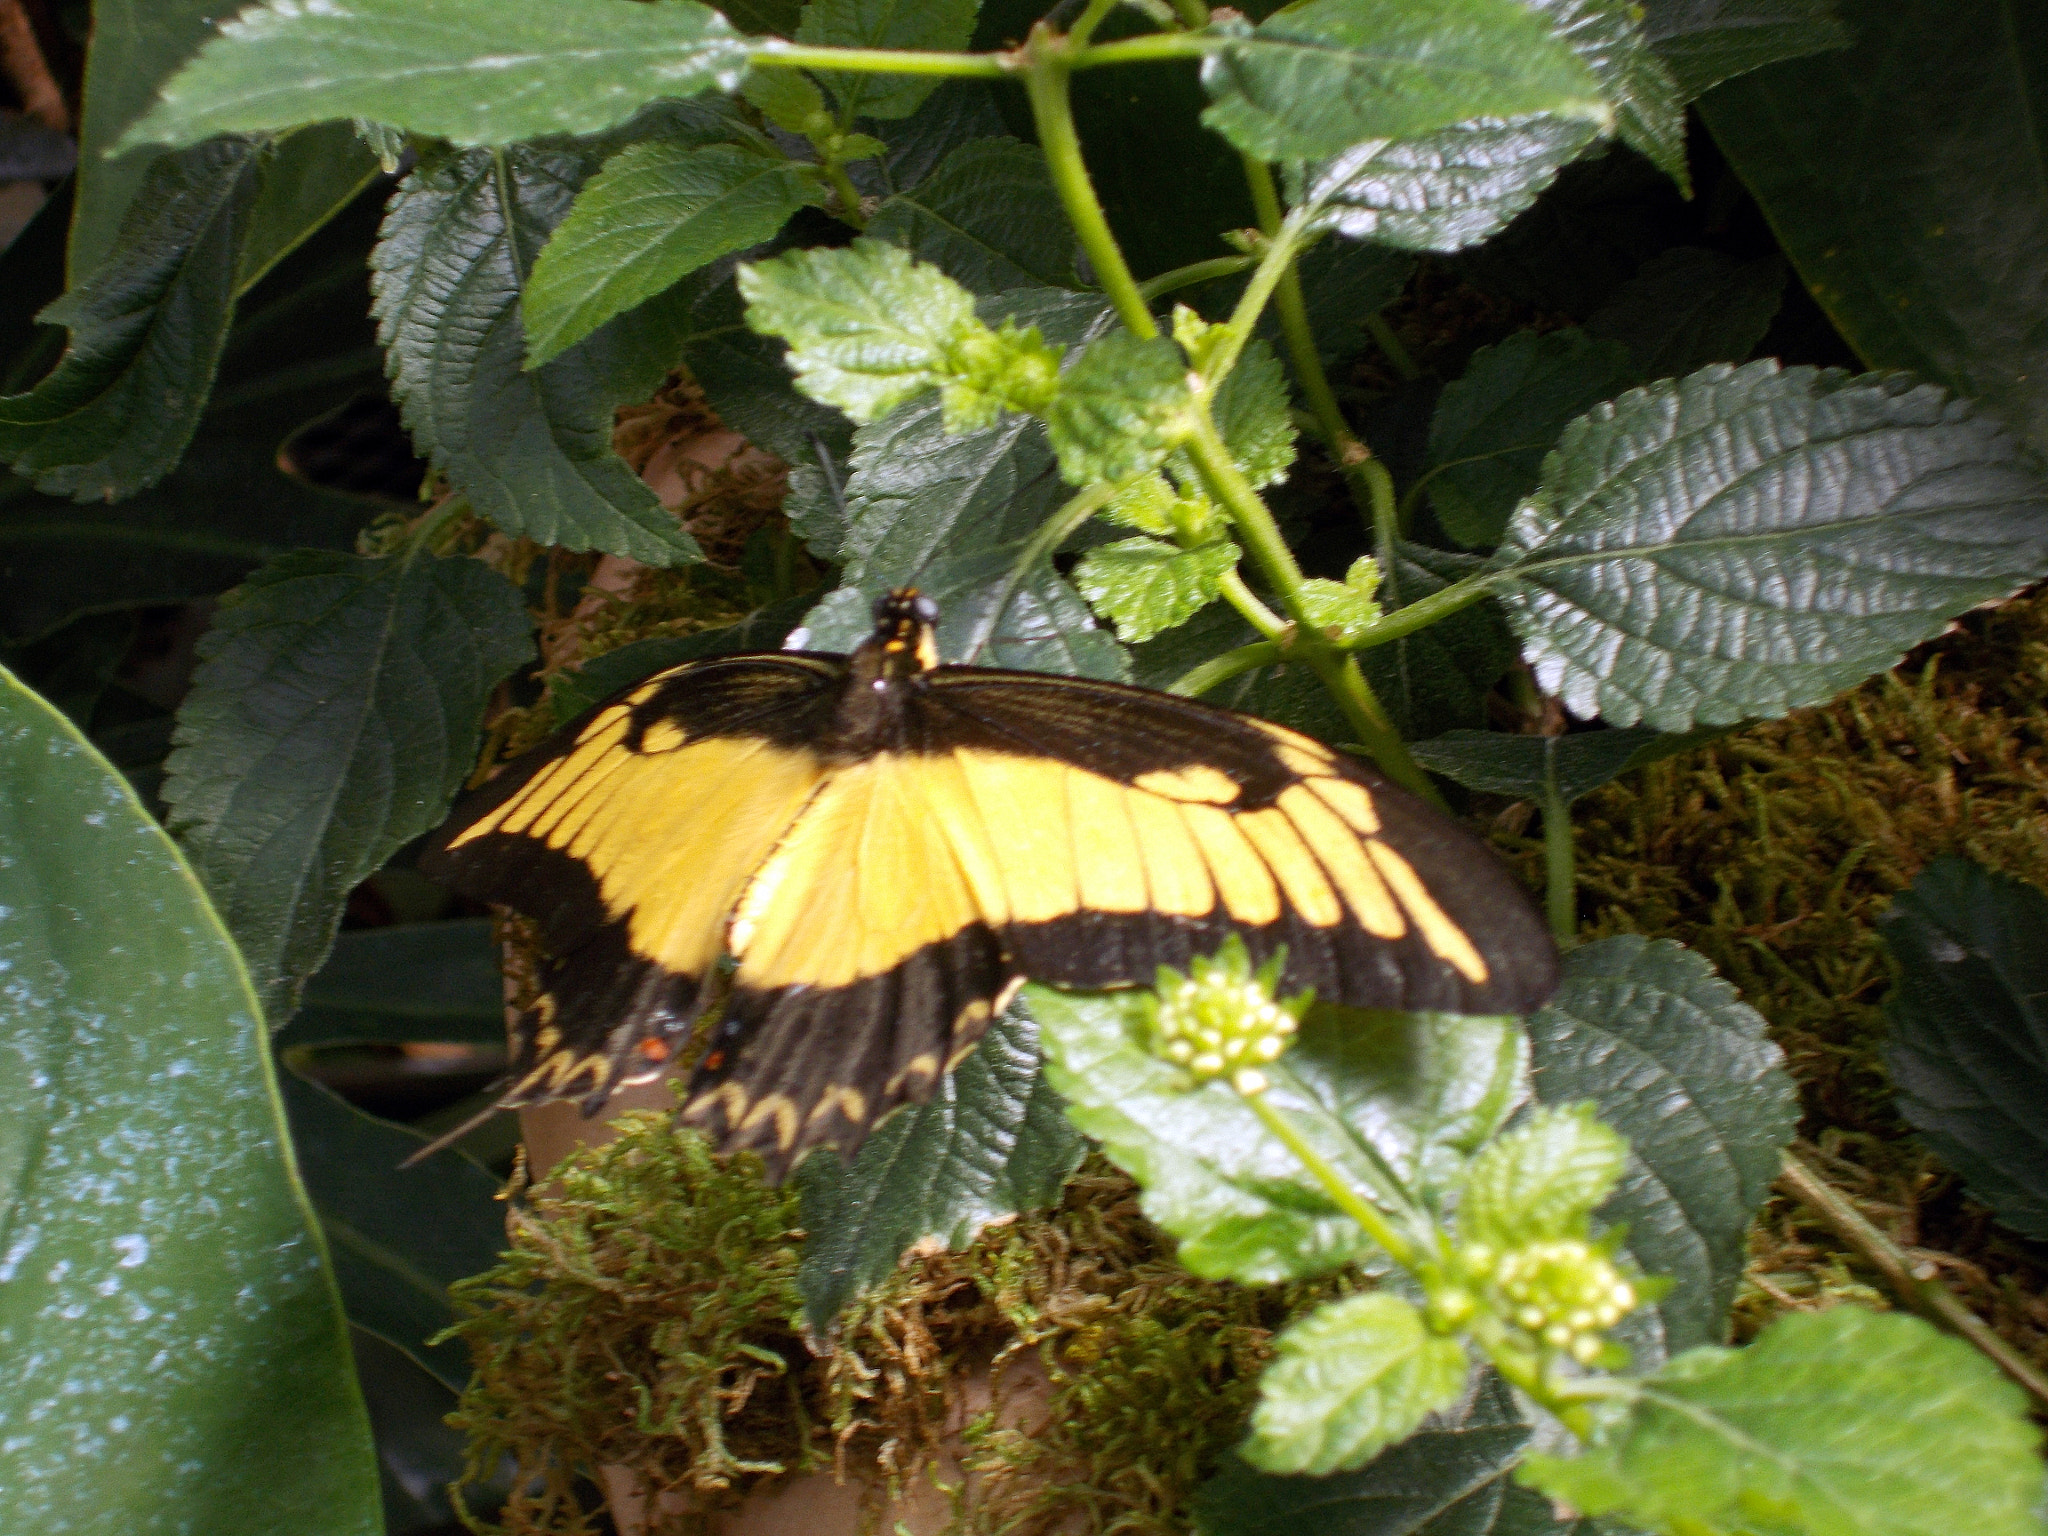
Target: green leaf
1541, 1179
399, 1236
570, 693
1255, 416
1446, 1479
411, 981
1682, 1068
1746, 541
1918, 232
1144, 586
1120, 408
987, 217
744, 377
1343, 609
1344, 283
1352, 1377
1649, 107
1422, 1091
1969, 1031
942, 26
474, 71
1287, 695
789, 99
147, 329
334, 715
657, 212
1536, 767
1319, 77
309, 176
1704, 42
992, 1142
531, 450
168, 1304
1689, 307
1437, 679
1837, 1423
1494, 425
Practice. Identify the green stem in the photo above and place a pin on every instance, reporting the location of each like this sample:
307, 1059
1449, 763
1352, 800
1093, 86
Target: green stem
1194, 14
1383, 336
849, 195
1051, 533
1046, 68
1091, 18
1153, 48
1560, 887
772, 53
1276, 263
1241, 597
1194, 272
1425, 611
1218, 670
1342, 1195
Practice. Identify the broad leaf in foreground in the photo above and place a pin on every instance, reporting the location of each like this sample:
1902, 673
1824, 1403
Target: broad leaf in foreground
1317, 78
1680, 1067
334, 715
474, 71
167, 1302
1837, 1423
1969, 1031
1449, 1478
993, 1141
530, 449
1745, 541
657, 212
1703, 42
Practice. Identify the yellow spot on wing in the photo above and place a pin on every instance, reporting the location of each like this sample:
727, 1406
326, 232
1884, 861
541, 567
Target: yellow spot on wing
848, 1102
663, 736
1308, 893
1442, 935
1241, 877
1200, 784
1107, 859
1023, 804
1351, 801
1175, 876
1337, 848
776, 1107
923, 1067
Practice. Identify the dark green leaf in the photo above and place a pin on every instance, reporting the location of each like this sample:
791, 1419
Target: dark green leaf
1319, 77
1437, 679
1535, 767
309, 176
1648, 105
656, 212
1907, 178
1494, 425
1746, 541
1345, 283
1837, 1423
417, 1452
147, 329
1969, 1031
474, 71
1682, 1068
1121, 408
399, 1236
1287, 694
1144, 586
987, 217
531, 450
168, 1304
1449, 1478
412, 981
940, 25
1352, 1377
571, 693
333, 717
993, 1141
1704, 42
748, 383
1690, 307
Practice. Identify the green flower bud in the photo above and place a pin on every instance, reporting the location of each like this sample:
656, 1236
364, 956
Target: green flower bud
1221, 1020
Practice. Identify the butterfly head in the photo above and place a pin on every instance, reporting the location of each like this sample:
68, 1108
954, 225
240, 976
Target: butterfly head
905, 639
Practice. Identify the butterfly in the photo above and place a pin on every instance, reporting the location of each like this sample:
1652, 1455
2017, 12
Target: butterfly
847, 864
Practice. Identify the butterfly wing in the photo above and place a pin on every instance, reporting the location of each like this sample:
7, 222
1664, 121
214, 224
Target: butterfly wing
627, 837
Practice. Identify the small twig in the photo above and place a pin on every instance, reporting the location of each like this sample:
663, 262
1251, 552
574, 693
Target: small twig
1914, 1283
22, 57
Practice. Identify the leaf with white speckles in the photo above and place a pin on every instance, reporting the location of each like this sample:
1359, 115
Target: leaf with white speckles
167, 1310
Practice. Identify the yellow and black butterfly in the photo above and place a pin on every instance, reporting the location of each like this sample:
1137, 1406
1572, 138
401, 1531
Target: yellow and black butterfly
859, 858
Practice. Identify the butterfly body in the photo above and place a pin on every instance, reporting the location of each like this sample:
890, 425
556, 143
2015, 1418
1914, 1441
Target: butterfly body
858, 858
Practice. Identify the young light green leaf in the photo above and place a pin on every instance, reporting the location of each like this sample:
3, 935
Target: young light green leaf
1255, 416
1120, 408
1836, 1423
987, 217
1969, 1031
1153, 505
993, 1141
530, 449
1343, 609
1745, 541
333, 717
1540, 1179
1144, 586
1704, 42
657, 212
942, 26
1351, 1378
1494, 424
168, 1303
147, 330
474, 71
1679, 1065
1689, 307
1316, 78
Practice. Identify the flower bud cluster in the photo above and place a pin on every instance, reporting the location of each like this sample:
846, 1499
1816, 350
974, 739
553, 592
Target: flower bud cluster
1223, 1021
1565, 1294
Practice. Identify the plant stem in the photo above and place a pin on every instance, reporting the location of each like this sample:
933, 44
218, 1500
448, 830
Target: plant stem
1047, 64
849, 195
1194, 14
1194, 272
1276, 264
1153, 48
1560, 885
773, 53
1383, 336
1913, 1283
1050, 534
1240, 596
1218, 670
1425, 611
1341, 1194
1084, 27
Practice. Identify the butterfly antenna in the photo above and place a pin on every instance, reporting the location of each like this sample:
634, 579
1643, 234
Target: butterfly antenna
447, 1139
